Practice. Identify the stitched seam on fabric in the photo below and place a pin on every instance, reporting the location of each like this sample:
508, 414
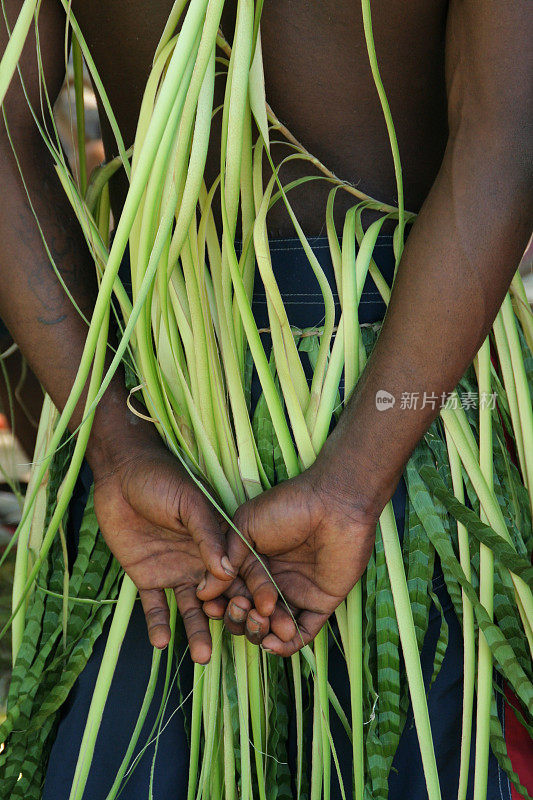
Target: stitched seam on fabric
314, 239
308, 302
308, 294
316, 247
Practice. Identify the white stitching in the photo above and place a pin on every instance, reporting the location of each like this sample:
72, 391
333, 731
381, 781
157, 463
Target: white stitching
306, 294
316, 247
315, 239
308, 302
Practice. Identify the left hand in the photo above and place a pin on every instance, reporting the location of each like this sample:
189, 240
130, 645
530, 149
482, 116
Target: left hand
316, 541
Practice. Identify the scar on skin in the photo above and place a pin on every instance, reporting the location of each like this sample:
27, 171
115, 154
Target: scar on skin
55, 321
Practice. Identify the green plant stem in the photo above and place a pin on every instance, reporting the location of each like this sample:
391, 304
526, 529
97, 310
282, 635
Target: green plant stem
121, 618
298, 705
371, 49
404, 615
469, 655
506, 366
522, 308
230, 789
486, 590
320, 647
196, 729
77, 61
525, 409
145, 707
46, 422
254, 698
14, 47
491, 509
241, 675
354, 604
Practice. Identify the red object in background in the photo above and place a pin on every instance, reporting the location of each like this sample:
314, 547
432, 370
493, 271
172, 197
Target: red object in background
4, 425
519, 744
519, 747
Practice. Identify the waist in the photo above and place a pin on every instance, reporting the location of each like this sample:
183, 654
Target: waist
299, 287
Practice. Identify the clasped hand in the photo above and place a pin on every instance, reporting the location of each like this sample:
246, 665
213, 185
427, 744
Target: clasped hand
312, 544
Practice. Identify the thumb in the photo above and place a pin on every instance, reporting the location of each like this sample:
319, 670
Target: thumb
211, 587
208, 532
165, 496
253, 571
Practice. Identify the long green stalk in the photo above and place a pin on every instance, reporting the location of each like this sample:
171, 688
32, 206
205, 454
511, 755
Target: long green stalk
77, 61
525, 409
143, 712
404, 616
354, 607
469, 656
48, 417
486, 590
522, 308
492, 511
121, 618
371, 49
13, 51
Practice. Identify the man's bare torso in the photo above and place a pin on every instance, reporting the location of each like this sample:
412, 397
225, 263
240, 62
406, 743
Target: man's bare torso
318, 82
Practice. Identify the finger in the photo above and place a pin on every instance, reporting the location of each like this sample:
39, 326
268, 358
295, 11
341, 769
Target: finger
196, 624
309, 624
155, 609
282, 624
236, 613
251, 570
210, 588
204, 527
216, 608
257, 627
260, 585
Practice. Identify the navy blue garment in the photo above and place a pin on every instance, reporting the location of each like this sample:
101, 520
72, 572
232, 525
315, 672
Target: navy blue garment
303, 302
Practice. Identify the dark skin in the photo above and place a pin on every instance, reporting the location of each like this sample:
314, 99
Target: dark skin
457, 76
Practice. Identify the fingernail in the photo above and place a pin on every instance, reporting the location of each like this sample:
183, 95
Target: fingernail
201, 585
236, 613
253, 624
226, 566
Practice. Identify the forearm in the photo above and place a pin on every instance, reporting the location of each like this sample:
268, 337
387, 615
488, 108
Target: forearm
35, 307
458, 262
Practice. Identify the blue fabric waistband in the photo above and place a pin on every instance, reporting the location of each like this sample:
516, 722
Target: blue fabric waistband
299, 287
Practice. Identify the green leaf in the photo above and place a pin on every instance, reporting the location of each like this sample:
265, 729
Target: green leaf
504, 656
502, 550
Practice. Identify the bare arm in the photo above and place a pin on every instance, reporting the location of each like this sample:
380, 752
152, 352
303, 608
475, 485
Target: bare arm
463, 249
318, 529
157, 523
33, 304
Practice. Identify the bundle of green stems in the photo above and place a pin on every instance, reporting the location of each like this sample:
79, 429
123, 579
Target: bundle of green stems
190, 337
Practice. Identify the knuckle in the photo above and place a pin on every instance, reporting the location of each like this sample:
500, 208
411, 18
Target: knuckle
241, 519
155, 616
190, 614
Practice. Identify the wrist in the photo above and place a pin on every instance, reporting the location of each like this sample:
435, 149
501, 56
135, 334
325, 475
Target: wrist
117, 434
354, 476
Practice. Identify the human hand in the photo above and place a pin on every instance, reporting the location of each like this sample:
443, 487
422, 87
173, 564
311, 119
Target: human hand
316, 541
165, 533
